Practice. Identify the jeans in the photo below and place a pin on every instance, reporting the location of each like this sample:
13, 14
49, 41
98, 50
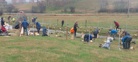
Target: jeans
124, 45
128, 40
25, 31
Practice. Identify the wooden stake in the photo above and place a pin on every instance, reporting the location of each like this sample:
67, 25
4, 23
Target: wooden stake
119, 40
85, 23
66, 33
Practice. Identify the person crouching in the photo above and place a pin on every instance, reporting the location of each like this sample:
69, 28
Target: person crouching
113, 33
126, 40
88, 38
95, 33
107, 43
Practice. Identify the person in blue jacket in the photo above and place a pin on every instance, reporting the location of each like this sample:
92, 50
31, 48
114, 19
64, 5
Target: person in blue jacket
126, 40
113, 33
38, 26
87, 37
25, 25
44, 31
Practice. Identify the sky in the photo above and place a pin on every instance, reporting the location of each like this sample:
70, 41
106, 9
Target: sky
9, 1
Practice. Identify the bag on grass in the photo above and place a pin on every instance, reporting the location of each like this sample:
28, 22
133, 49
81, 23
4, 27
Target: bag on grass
72, 30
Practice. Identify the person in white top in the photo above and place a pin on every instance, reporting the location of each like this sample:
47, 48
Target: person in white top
107, 43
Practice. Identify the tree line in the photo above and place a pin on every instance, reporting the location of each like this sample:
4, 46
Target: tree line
119, 6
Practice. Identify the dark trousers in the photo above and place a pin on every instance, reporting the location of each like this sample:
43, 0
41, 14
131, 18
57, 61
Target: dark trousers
38, 30
75, 31
117, 27
62, 24
126, 44
95, 35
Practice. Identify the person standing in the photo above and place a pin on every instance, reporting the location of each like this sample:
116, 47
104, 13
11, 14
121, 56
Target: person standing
2, 21
75, 28
116, 25
25, 25
62, 23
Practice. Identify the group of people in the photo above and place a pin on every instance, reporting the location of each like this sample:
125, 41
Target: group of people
5, 26
25, 26
126, 37
3, 29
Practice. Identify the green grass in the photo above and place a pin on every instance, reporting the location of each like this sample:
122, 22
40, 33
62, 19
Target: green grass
55, 49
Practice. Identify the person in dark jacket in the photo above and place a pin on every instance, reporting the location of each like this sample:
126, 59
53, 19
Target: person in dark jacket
2, 21
126, 41
126, 33
62, 23
116, 25
25, 25
96, 32
75, 28
38, 26
34, 20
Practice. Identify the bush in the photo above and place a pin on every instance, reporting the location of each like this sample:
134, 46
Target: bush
120, 6
1, 12
11, 9
40, 8
72, 9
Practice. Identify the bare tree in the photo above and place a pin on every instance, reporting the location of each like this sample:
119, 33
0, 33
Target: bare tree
121, 6
40, 8
103, 6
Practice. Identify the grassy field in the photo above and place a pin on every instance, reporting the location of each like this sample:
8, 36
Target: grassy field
105, 21
55, 49
102, 21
